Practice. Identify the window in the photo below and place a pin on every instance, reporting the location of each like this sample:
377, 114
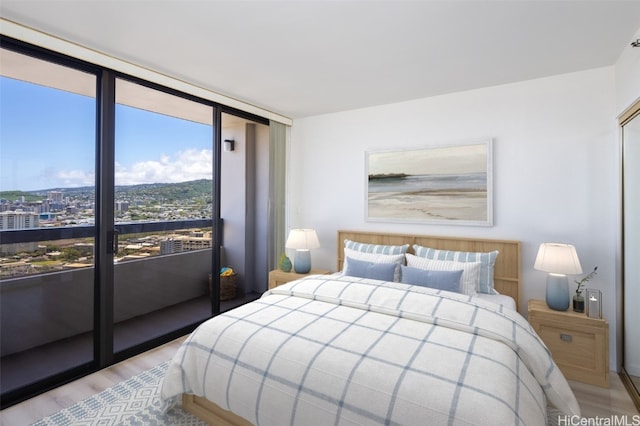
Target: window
110, 202
47, 183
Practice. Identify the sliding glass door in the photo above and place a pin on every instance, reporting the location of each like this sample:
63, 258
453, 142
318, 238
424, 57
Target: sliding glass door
163, 208
107, 213
111, 196
47, 219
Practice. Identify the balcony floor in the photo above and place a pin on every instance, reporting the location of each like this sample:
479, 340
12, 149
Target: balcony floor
18, 370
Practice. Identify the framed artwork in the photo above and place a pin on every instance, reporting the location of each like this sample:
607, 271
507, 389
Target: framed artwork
449, 184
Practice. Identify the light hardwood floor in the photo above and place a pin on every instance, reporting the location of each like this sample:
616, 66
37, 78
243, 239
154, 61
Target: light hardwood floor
594, 401
34, 409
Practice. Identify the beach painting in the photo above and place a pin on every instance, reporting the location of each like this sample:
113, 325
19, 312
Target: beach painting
443, 184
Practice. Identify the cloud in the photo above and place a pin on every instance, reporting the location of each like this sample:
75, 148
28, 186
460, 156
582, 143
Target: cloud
183, 166
73, 178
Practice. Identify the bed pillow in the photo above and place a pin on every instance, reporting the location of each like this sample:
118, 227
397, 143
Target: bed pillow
364, 269
487, 260
375, 248
440, 280
396, 259
470, 270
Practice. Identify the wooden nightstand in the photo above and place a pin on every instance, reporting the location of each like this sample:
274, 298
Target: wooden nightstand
278, 277
579, 344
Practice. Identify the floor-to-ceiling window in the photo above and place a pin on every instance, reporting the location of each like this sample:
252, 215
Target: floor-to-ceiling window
163, 174
109, 217
47, 218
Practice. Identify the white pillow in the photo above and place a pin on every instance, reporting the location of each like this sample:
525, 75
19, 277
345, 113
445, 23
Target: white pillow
398, 259
470, 271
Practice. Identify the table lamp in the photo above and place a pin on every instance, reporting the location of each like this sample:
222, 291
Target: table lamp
559, 260
302, 240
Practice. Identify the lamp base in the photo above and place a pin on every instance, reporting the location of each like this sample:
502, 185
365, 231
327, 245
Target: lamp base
302, 261
558, 292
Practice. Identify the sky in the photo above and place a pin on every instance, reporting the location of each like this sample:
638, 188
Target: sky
47, 140
468, 158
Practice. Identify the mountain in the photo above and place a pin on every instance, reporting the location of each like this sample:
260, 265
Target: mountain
167, 192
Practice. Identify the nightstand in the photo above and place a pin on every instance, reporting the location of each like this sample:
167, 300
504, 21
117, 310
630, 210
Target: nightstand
278, 277
579, 344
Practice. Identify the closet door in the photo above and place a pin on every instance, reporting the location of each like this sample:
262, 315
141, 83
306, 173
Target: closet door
631, 250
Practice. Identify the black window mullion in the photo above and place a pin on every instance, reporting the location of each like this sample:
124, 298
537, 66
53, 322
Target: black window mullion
215, 214
105, 200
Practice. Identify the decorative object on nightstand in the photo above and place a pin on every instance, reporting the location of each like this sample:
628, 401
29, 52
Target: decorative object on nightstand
285, 263
594, 303
302, 240
578, 300
559, 260
579, 344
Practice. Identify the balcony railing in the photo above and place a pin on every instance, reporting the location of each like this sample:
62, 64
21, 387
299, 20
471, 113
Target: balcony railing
152, 296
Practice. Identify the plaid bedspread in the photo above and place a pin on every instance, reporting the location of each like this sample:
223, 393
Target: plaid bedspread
328, 350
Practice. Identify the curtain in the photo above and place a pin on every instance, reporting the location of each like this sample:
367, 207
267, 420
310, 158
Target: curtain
277, 190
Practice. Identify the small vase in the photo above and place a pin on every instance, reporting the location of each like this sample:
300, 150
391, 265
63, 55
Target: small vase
578, 304
285, 263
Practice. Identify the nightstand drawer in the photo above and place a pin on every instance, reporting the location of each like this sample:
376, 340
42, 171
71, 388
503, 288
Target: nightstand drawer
579, 344
569, 347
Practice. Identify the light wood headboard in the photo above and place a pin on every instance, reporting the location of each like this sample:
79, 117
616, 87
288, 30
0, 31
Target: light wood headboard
507, 268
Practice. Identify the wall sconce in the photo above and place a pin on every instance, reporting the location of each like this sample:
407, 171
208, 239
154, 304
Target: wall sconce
229, 145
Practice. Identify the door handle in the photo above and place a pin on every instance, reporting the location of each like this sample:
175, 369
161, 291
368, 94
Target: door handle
112, 242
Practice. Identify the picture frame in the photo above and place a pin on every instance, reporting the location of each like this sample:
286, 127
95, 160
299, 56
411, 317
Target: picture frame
443, 184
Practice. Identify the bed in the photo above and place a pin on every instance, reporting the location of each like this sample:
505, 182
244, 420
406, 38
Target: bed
345, 349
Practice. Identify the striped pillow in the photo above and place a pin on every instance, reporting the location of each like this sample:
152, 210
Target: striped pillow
487, 261
375, 248
470, 270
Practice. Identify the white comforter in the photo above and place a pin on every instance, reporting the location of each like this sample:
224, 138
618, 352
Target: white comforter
345, 351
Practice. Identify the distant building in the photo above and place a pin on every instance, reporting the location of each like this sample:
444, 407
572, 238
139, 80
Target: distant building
55, 196
18, 220
195, 243
180, 243
171, 245
122, 206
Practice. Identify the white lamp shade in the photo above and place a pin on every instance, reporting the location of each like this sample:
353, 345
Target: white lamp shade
558, 258
302, 239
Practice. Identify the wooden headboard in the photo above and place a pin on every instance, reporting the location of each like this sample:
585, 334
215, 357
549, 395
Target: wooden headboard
507, 268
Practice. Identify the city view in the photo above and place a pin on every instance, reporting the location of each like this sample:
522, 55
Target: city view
162, 167
76, 206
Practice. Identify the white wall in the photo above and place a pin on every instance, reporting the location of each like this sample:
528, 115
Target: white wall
628, 76
555, 169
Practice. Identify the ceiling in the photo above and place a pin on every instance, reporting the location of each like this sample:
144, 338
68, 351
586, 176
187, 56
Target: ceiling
304, 58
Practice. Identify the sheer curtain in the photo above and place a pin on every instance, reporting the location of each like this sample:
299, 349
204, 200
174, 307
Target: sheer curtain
277, 179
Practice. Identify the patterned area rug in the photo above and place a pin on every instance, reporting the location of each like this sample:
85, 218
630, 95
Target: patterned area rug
136, 402
133, 402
